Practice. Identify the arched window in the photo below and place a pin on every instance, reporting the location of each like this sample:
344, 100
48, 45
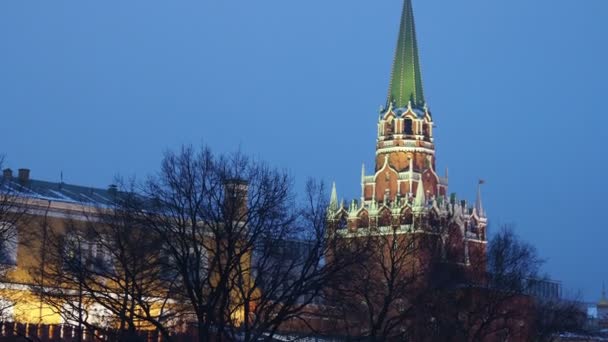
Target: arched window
407, 218
409, 127
385, 218
342, 223
363, 221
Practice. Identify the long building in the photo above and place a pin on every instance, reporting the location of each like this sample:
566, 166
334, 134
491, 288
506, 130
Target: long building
48, 208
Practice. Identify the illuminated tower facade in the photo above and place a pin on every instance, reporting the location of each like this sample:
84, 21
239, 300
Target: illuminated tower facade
404, 192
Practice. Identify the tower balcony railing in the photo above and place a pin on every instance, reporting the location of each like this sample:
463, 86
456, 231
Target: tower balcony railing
404, 143
407, 137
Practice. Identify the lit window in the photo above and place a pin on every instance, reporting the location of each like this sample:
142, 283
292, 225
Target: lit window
9, 243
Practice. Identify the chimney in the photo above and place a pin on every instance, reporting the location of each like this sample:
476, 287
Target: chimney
235, 197
24, 176
113, 189
7, 174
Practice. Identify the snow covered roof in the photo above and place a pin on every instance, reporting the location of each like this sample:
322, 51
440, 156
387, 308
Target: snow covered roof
61, 192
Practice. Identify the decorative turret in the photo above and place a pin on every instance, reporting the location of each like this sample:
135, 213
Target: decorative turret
362, 183
333, 199
420, 200
603, 303
602, 307
478, 203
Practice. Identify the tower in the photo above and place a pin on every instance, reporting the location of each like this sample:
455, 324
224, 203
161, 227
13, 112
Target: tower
405, 150
404, 192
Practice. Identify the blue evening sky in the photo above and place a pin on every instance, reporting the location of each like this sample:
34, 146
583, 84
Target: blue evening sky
517, 89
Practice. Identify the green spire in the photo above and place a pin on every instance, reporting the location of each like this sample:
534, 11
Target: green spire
406, 79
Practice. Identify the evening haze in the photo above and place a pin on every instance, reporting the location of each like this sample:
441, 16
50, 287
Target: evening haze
92, 89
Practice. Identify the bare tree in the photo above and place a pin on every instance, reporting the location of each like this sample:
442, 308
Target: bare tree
556, 316
13, 210
388, 293
102, 270
229, 226
60, 271
380, 292
128, 276
290, 272
500, 307
13, 214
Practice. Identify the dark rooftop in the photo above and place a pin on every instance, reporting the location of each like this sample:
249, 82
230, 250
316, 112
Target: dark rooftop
61, 192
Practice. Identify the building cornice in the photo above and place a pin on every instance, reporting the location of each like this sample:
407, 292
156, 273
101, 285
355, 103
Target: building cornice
406, 149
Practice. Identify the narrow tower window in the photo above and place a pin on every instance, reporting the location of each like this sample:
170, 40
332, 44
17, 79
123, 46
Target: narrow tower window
409, 127
390, 128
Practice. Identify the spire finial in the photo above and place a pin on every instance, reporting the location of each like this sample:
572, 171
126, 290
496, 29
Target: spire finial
478, 202
333, 199
362, 182
603, 303
362, 173
406, 78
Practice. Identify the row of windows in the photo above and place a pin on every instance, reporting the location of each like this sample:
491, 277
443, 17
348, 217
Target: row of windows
408, 128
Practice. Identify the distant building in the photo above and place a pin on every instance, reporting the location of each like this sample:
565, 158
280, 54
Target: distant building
602, 309
598, 312
544, 289
56, 212
50, 205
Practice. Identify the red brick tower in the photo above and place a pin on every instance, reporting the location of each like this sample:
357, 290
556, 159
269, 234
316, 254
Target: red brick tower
405, 193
